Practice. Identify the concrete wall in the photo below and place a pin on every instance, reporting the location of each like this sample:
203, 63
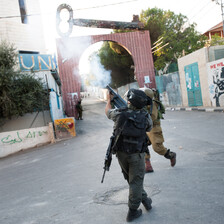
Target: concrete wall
15, 141
169, 89
29, 120
65, 128
201, 57
56, 106
56, 101
212, 53
26, 37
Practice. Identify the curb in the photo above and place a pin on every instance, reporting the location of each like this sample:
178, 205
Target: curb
195, 109
216, 109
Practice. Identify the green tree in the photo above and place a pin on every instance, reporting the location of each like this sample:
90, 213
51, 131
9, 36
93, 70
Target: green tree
216, 40
116, 59
19, 93
174, 31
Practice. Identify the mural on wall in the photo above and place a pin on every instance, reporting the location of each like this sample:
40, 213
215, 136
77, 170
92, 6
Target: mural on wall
168, 86
65, 127
216, 82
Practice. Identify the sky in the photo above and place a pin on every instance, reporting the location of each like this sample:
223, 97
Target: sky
206, 13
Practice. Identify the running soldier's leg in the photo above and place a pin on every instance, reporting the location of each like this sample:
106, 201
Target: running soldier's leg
148, 166
157, 139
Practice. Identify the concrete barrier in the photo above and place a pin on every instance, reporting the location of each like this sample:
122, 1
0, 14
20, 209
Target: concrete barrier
65, 128
15, 141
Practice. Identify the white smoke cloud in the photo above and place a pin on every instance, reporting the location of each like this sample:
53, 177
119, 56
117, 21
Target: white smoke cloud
92, 71
73, 47
102, 76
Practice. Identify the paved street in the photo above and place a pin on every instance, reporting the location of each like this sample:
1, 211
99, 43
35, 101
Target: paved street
60, 183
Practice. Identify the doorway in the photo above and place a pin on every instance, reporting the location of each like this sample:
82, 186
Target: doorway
193, 85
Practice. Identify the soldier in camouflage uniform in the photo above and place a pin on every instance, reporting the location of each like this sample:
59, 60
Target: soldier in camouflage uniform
79, 110
130, 144
156, 134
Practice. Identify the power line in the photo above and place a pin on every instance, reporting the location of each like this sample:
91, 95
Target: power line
196, 14
92, 7
192, 10
222, 5
208, 10
9, 17
101, 6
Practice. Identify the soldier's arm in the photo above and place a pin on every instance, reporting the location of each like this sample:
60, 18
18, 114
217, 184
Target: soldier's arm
150, 124
108, 105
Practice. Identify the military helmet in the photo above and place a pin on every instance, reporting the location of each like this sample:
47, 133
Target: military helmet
149, 92
137, 98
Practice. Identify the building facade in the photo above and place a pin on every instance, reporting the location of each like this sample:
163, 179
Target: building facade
217, 29
202, 77
21, 25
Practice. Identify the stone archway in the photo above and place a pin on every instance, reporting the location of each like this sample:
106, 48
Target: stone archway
70, 49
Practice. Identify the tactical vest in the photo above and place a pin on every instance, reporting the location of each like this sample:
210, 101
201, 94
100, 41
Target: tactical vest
130, 131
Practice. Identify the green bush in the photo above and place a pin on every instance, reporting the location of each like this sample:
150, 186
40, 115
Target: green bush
19, 93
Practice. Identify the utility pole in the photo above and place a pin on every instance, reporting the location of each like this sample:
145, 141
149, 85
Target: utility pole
221, 4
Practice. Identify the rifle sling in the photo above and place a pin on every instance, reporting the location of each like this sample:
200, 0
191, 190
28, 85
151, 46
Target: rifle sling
117, 137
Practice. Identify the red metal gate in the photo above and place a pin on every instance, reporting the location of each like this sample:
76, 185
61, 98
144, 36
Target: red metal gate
137, 43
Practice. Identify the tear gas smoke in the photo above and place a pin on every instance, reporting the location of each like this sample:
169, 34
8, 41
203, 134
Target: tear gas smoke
99, 77
73, 47
92, 71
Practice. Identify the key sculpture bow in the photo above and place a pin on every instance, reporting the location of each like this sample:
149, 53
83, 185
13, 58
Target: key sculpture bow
134, 25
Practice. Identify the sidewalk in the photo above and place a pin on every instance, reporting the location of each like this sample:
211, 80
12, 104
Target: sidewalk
182, 108
205, 109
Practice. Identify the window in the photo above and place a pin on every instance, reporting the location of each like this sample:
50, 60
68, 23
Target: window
219, 54
23, 14
28, 52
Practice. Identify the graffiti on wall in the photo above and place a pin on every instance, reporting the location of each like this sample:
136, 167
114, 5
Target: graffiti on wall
168, 86
10, 139
65, 127
216, 82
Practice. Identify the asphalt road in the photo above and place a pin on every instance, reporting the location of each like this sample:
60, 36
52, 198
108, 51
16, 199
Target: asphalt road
60, 183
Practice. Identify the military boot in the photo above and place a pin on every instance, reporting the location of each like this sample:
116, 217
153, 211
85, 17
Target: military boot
172, 156
147, 203
133, 214
148, 166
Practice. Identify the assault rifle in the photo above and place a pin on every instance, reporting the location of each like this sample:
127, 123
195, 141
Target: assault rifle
108, 157
118, 102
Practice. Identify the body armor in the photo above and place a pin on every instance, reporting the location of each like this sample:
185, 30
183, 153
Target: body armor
130, 131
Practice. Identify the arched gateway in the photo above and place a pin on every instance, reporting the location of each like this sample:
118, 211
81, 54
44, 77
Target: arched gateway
70, 49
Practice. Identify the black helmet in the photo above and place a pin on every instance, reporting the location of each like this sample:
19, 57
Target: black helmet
137, 98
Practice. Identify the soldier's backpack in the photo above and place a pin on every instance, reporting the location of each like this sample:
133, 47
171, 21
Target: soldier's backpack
130, 133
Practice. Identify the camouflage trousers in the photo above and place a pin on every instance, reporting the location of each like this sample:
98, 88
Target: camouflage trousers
157, 139
133, 169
